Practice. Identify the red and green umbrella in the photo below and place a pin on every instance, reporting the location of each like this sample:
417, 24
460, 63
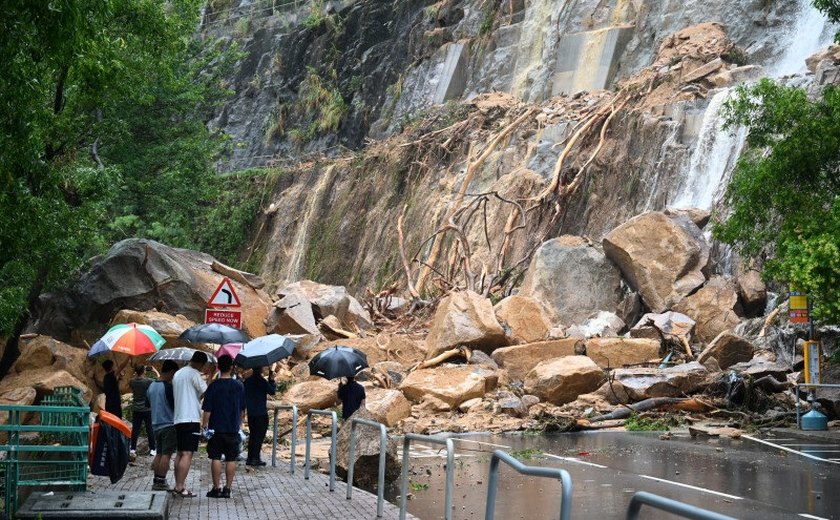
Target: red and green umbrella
128, 338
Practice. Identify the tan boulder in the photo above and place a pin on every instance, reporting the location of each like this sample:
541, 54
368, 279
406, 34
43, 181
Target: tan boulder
40, 351
316, 394
727, 349
523, 319
380, 348
168, 326
752, 292
618, 352
677, 381
387, 406
671, 324
292, 314
452, 384
714, 307
662, 257
464, 318
20, 396
562, 380
50, 380
34, 354
518, 360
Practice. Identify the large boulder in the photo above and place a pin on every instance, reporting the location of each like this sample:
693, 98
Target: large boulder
367, 449
292, 314
329, 300
144, 275
562, 380
315, 394
572, 279
383, 347
714, 307
40, 352
677, 381
523, 319
618, 352
727, 349
752, 292
653, 325
518, 360
662, 257
452, 384
464, 318
387, 406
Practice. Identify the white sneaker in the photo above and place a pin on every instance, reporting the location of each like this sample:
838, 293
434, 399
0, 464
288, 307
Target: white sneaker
132, 453
152, 453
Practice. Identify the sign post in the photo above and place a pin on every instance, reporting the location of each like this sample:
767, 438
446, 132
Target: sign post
219, 306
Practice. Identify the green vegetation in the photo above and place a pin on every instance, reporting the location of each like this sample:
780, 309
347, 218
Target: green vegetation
417, 486
641, 423
324, 99
488, 17
527, 454
785, 191
103, 137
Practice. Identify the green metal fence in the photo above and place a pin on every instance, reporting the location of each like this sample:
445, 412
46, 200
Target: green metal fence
50, 451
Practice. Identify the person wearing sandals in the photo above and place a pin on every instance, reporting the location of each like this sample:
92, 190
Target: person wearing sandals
188, 386
224, 409
162, 402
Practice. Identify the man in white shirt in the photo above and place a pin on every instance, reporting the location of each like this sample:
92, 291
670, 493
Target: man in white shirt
188, 386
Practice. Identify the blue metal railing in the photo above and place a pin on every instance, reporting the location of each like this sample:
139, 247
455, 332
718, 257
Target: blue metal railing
450, 471
671, 506
309, 415
351, 462
535, 471
277, 411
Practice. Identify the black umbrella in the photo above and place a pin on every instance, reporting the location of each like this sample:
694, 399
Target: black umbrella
264, 351
338, 362
213, 333
179, 355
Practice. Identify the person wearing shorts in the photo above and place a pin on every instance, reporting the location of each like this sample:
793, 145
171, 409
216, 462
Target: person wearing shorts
188, 386
162, 403
224, 409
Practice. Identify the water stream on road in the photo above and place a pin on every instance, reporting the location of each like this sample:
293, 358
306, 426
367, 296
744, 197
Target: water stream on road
733, 477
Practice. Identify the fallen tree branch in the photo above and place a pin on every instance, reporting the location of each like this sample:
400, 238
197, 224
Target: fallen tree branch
770, 317
440, 358
641, 406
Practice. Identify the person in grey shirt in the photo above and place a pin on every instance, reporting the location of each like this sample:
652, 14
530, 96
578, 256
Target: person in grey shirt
141, 413
162, 401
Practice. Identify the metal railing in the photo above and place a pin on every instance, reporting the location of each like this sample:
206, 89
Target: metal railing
796, 397
332, 443
450, 471
277, 411
671, 506
351, 462
534, 471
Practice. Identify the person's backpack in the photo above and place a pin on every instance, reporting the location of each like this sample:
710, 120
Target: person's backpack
110, 442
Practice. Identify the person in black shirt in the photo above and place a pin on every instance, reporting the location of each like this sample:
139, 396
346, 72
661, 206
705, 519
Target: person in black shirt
224, 408
256, 390
111, 387
352, 396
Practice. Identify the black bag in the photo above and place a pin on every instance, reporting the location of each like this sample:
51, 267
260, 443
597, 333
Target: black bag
110, 452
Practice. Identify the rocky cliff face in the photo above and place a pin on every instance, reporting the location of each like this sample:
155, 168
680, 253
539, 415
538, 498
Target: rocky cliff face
375, 109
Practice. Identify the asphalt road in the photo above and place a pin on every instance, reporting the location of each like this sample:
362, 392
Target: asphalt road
742, 478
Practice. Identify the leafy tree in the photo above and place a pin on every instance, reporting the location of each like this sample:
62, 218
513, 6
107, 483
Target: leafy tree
784, 195
101, 136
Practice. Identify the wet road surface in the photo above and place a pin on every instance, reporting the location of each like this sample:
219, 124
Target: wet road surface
741, 478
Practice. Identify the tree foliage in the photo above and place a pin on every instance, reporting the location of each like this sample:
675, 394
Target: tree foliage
102, 137
784, 195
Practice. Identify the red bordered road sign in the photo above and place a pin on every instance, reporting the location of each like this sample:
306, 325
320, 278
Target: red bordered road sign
224, 296
231, 318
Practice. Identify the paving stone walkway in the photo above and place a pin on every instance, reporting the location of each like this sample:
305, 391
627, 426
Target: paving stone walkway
265, 493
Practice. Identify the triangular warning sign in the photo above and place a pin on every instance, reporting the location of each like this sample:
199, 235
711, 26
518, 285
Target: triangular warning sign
224, 296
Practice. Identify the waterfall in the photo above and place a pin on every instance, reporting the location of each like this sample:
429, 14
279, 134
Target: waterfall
712, 160
809, 33
293, 269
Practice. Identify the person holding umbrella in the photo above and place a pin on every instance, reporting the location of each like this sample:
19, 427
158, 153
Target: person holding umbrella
224, 409
257, 389
111, 388
352, 397
346, 362
188, 386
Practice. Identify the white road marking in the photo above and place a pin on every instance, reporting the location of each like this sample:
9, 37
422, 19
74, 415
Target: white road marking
806, 515
481, 442
779, 446
809, 444
817, 450
578, 461
704, 490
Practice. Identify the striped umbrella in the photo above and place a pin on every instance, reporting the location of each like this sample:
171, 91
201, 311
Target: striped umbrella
128, 338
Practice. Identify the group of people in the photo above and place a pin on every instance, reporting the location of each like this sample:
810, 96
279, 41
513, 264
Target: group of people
182, 408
